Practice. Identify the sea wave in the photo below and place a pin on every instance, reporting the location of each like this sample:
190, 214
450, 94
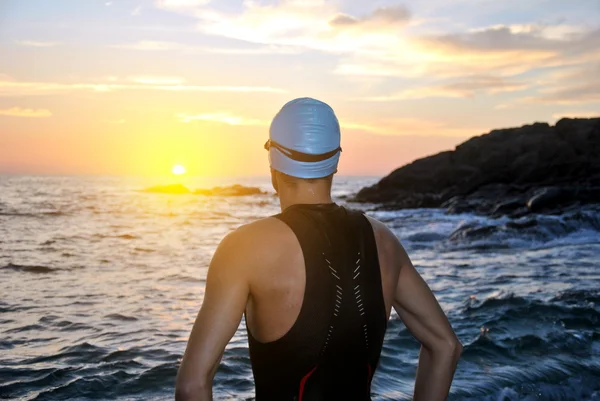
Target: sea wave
89, 316
479, 233
581, 226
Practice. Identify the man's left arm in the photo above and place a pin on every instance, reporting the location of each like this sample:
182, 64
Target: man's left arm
225, 298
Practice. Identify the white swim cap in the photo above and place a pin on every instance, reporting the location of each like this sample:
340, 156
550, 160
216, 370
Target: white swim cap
304, 139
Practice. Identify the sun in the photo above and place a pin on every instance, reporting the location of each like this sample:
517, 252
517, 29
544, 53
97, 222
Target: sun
178, 169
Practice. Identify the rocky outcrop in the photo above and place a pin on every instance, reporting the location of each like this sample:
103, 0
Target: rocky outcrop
515, 171
233, 190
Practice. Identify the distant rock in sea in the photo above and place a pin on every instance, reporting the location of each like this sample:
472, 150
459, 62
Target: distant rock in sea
514, 171
233, 190
168, 189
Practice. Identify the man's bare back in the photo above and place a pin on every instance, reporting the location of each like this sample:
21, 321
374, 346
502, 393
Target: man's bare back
259, 269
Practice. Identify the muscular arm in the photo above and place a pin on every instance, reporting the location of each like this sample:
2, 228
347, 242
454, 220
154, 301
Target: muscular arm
219, 317
419, 310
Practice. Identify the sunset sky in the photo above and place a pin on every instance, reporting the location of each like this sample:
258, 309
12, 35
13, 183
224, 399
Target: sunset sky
137, 86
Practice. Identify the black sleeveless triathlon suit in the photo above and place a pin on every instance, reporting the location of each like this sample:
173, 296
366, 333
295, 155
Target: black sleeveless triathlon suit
333, 348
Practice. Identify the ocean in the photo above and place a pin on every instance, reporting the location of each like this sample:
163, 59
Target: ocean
100, 285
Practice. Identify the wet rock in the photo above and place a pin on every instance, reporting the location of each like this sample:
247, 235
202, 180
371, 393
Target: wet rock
520, 224
545, 197
507, 207
468, 232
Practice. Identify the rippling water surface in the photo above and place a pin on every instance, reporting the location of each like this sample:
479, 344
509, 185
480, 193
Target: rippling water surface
100, 285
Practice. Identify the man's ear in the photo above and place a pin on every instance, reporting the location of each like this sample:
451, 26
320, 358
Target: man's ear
274, 182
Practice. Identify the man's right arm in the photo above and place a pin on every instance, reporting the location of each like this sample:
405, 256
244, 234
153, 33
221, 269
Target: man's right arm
421, 313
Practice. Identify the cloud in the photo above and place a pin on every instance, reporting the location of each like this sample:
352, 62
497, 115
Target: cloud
15, 89
157, 80
503, 51
222, 118
342, 20
196, 88
409, 126
373, 45
576, 84
31, 43
367, 68
463, 88
568, 94
496, 38
380, 16
576, 114
251, 50
510, 50
467, 87
297, 23
394, 126
174, 46
181, 4
29, 113
137, 11
148, 45
498, 56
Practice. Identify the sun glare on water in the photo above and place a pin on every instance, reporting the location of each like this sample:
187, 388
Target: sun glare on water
178, 170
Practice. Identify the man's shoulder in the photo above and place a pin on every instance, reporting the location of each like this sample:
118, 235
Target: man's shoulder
388, 244
382, 232
258, 237
265, 228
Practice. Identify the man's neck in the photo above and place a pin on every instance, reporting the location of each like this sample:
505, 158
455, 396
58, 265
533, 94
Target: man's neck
303, 197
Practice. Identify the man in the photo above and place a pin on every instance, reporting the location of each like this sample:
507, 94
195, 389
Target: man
316, 284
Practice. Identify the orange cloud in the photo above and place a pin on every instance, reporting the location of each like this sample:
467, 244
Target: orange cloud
149, 45
147, 80
221, 117
461, 88
31, 43
157, 46
409, 127
375, 45
576, 114
379, 17
29, 113
15, 89
574, 85
181, 4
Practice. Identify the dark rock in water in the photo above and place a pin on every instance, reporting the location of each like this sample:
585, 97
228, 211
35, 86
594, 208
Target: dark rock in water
234, 190
515, 171
516, 224
546, 197
509, 206
468, 232
169, 189
29, 269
